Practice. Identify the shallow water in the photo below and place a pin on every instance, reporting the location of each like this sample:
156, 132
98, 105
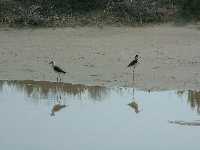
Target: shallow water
96, 117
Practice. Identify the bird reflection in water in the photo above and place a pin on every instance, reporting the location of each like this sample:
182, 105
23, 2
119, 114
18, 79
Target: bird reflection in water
58, 106
134, 105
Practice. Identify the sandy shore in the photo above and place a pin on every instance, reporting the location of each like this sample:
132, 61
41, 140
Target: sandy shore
170, 55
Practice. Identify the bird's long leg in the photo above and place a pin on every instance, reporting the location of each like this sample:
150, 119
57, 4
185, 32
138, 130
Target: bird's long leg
61, 78
133, 76
133, 93
57, 79
60, 101
57, 99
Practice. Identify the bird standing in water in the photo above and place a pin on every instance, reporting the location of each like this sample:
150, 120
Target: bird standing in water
57, 70
133, 64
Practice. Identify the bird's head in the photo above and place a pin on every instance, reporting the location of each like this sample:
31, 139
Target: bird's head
52, 63
136, 56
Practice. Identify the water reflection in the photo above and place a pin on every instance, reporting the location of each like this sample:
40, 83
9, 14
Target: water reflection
185, 123
52, 91
194, 100
133, 104
44, 89
95, 119
58, 105
56, 108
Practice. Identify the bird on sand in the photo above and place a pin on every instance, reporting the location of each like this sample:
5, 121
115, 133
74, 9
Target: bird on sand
57, 69
134, 62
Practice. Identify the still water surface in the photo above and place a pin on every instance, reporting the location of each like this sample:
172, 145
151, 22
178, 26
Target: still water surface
96, 118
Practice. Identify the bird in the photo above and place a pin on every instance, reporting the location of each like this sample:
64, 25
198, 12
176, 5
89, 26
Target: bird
134, 62
56, 108
57, 69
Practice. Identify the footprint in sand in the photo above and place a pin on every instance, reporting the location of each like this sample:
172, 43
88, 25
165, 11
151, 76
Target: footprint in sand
2, 53
93, 75
100, 80
88, 65
173, 77
156, 67
81, 58
100, 53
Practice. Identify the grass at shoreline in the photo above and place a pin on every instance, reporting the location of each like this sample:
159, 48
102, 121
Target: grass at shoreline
15, 13
20, 13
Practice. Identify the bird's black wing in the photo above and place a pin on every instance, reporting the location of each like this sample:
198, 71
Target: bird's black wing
58, 69
132, 63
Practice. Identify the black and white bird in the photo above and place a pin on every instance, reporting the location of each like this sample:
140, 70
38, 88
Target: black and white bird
134, 62
57, 69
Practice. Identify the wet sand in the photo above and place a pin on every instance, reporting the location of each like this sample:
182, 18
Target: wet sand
170, 55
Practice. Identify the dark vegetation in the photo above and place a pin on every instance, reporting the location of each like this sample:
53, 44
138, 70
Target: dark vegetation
96, 12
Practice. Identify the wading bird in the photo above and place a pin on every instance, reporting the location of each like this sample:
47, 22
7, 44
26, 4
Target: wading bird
57, 70
133, 64
134, 105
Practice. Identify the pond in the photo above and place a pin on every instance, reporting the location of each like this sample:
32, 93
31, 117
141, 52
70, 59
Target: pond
41, 115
